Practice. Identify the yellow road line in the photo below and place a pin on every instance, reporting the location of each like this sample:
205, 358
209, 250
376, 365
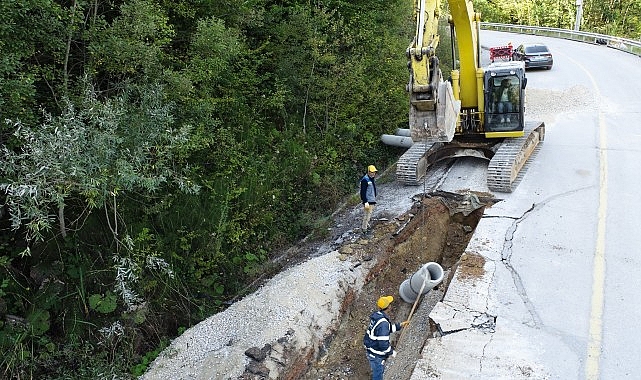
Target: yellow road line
595, 334
592, 368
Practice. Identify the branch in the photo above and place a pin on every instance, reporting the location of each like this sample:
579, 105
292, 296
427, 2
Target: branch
61, 218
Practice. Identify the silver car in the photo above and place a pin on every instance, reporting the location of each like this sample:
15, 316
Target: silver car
534, 55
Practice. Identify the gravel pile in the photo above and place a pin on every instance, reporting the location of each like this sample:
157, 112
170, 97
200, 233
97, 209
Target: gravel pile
545, 105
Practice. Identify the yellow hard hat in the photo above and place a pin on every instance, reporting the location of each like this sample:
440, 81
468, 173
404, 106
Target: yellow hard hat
384, 302
371, 168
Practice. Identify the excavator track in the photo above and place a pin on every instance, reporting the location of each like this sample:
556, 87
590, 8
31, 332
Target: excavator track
412, 165
505, 167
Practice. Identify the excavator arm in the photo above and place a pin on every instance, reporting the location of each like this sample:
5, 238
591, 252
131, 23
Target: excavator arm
422, 51
435, 105
466, 26
423, 63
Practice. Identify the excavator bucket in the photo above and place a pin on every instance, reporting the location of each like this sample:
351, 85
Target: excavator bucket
432, 123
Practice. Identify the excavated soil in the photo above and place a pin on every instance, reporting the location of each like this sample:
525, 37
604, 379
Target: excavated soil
430, 232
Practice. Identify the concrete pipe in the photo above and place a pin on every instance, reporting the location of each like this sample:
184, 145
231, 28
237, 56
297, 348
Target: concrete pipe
432, 273
399, 141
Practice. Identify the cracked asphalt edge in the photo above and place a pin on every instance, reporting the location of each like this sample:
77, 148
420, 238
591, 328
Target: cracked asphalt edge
479, 337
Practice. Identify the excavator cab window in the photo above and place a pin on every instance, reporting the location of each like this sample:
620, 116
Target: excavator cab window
503, 104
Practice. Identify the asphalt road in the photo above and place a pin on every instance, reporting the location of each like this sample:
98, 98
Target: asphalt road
565, 271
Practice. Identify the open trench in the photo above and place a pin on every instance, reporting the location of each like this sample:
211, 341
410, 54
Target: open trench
436, 229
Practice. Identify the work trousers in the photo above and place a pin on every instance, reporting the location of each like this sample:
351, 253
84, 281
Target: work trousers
367, 216
504, 107
378, 366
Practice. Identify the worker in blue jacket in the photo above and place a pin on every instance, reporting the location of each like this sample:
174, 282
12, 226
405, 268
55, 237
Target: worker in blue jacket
368, 195
377, 337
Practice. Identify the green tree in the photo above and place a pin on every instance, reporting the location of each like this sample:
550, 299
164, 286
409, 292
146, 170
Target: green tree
31, 36
130, 47
551, 13
613, 17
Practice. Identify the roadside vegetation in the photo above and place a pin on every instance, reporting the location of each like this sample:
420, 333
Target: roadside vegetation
620, 18
156, 153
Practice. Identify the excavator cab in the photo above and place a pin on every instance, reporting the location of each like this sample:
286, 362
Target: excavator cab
504, 91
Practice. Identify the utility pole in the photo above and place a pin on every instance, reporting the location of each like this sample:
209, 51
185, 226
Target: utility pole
579, 14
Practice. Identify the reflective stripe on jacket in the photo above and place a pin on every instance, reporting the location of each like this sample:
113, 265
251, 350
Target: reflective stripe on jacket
376, 339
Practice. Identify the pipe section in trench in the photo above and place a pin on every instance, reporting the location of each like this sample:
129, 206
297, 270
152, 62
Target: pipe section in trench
431, 274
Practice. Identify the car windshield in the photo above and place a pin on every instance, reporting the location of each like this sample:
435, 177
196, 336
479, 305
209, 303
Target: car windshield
536, 49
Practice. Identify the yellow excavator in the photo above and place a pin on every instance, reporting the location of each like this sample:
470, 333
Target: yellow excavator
478, 112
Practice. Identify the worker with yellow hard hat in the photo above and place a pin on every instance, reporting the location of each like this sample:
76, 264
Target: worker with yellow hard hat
368, 196
377, 337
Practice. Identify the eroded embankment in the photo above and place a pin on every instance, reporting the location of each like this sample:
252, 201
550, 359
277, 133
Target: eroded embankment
307, 322
437, 229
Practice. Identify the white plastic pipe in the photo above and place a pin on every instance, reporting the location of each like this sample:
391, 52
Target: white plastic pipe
403, 132
426, 278
399, 141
